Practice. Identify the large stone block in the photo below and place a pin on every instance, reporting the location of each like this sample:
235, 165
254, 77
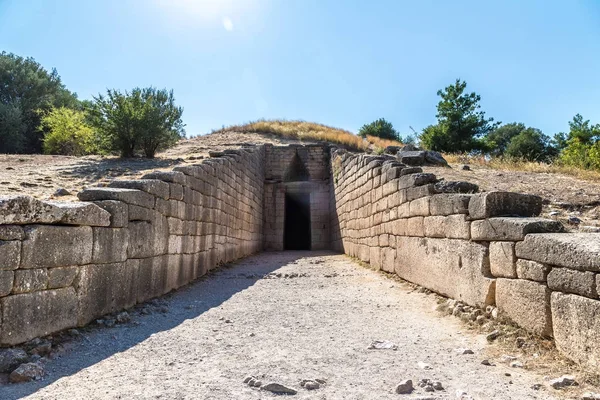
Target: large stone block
453, 268
577, 328
11, 232
166, 176
129, 196
6, 282
49, 246
571, 281
512, 228
110, 245
152, 278
503, 260
80, 213
531, 270
61, 277
579, 251
118, 212
27, 210
504, 204
527, 303
148, 239
102, 289
30, 280
411, 180
30, 315
154, 187
447, 204
457, 227
419, 207
10, 254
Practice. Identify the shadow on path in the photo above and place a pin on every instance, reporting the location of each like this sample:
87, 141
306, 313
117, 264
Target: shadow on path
99, 343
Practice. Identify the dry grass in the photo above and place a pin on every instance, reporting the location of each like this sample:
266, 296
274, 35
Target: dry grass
523, 166
302, 130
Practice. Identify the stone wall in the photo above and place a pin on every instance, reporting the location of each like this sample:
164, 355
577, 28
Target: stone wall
480, 248
65, 264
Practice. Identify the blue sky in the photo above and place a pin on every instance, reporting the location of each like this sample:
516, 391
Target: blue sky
342, 63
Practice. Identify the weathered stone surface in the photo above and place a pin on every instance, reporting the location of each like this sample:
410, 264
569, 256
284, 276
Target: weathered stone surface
153, 186
278, 388
419, 207
503, 260
29, 315
153, 277
56, 246
577, 328
572, 250
166, 176
411, 157
6, 282
435, 227
30, 280
10, 254
80, 213
10, 359
11, 232
508, 228
430, 262
411, 180
456, 187
571, 281
137, 213
531, 270
129, 196
527, 303
61, 277
27, 210
457, 227
27, 372
105, 288
448, 204
148, 239
503, 204
118, 212
110, 245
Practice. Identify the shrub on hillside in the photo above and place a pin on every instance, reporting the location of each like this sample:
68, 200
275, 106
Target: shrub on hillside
531, 145
143, 120
379, 128
581, 144
68, 133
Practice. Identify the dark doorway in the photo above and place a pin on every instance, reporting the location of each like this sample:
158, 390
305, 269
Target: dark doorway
296, 234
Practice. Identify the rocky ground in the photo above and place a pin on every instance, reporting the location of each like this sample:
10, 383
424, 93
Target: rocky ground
317, 324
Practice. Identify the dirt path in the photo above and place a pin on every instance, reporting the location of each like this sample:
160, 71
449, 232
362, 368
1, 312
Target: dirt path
315, 322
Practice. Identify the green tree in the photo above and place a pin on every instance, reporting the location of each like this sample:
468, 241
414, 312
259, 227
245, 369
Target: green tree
68, 133
25, 85
380, 128
581, 145
141, 120
460, 124
12, 128
529, 144
497, 140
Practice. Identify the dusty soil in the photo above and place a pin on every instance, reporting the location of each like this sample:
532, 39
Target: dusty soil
253, 319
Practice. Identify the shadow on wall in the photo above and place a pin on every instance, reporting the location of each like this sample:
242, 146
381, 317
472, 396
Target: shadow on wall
189, 302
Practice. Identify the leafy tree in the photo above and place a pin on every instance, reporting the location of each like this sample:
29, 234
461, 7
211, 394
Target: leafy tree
11, 128
581, 146
380, 128
460, 125
68, 133
497, 140
141, 120
25, 85
530, 144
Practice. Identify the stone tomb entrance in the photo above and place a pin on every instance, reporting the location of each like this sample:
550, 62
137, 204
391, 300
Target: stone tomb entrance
296, 235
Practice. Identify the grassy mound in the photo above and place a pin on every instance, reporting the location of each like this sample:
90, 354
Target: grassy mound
311, 131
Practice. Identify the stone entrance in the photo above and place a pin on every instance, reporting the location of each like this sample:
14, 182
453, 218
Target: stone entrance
296, 235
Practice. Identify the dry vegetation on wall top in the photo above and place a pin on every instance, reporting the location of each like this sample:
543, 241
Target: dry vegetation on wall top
303, 130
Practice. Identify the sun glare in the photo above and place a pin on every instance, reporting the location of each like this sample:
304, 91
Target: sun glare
215, 10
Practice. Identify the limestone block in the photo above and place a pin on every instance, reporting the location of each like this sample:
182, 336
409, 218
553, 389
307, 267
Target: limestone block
414, 226
6, 282
154, 187
419, 207
152, 278
527, 303
411, 170
501, 204
503, 260
417, 192
30, 280
105, 288
456, 187
137, 213
434, 227
457, 227
30, 315
166, 176
80, 213
579, 251
175, 191
508, 228
577, 328
571, 281
110, 245
61, 277
27, 210
447, 204
418, 179
50, 246
454, 268
532, 270
118, 212
10, 254
148, 239
388, 257
375, 257
11, 232
129, 196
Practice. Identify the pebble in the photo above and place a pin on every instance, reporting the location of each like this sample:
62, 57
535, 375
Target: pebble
278, 388
123, 317
27, 372
574, 220
563, 381
465, 167
487, 362
382, 345
464, 351
423, 365
405, 387
11, 359
493, 335
62, 192
516, 364
311, 385
537, 386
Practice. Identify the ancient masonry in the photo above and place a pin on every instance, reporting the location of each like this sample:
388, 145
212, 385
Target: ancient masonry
66, 264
